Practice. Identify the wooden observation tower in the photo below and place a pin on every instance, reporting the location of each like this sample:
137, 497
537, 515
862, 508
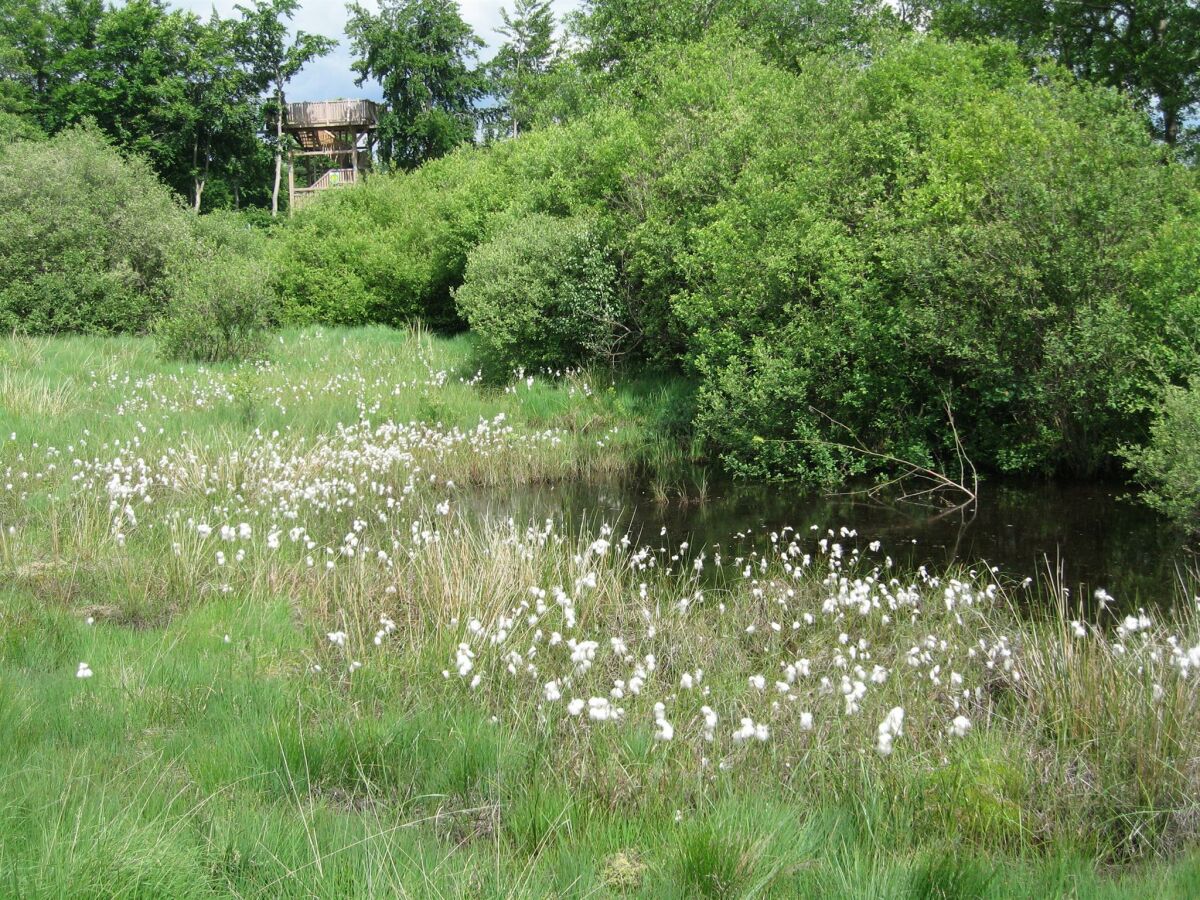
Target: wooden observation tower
341, 132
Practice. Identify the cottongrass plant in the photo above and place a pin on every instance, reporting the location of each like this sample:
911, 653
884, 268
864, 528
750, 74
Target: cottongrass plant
298, 658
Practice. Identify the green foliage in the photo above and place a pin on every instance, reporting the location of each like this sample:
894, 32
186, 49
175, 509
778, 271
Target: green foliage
837, 253
541, 292
272, 62
620, 34
221, 305
182, 92
14, 76
519, 68
17, 128
1169, 465
221, 102
935, 228
1149, 48
140, 84
389, 251
422, 53
86, 236
393, 249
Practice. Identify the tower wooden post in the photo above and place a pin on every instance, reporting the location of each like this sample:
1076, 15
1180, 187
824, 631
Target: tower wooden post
291, 183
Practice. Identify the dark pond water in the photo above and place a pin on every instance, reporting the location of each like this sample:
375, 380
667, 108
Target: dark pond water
1089, 535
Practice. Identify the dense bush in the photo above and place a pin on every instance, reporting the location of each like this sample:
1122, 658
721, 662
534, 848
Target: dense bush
221, 304
1169, 465
86, 236
16, 128
389, 251
935, 228
541, 292
395, 248
835, 252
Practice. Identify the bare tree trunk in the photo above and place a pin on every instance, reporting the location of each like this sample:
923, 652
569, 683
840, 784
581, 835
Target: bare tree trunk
512, 100
197, 181
1171, 125
278, 149
200, 181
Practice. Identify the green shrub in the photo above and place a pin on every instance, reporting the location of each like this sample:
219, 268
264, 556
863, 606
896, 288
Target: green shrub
1169, 465
834, 252
393, 249
388, 251
86, 236
221, 309
837, 254
17, 128
245, 232
540, 292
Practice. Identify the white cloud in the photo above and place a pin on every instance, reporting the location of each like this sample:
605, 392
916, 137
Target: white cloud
331, 76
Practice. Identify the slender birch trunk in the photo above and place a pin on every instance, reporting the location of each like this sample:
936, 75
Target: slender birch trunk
278, 148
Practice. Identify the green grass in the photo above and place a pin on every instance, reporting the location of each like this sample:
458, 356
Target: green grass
225, 746
315, 380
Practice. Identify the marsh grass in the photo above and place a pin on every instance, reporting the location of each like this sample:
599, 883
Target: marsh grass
227, 744
24, 394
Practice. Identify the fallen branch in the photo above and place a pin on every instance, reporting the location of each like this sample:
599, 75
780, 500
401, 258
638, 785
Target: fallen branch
937, 481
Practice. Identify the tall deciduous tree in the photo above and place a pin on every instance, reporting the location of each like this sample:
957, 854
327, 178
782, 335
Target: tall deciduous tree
275, 61
222, 101
14, 95
133, 81
24, 31
1149, 48
522, 60
63, 59
423, 55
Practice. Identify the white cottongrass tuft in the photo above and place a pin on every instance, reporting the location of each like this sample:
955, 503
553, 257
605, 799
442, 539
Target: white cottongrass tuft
749, 730
664, 730
890, 728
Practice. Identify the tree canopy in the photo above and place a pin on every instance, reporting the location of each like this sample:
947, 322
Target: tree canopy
203, 99
521, 63
273, 62
185, 93
1147, 48
424, 57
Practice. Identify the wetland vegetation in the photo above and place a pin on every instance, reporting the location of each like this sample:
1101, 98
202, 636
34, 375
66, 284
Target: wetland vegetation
260, 637
749, 449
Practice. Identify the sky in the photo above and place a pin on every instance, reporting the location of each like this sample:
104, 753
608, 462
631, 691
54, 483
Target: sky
330, 77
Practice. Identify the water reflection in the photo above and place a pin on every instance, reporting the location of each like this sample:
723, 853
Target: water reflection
1088, 531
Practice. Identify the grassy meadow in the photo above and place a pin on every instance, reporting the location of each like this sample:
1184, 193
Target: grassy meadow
256, 640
